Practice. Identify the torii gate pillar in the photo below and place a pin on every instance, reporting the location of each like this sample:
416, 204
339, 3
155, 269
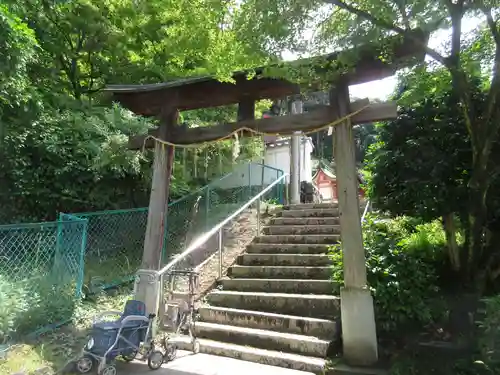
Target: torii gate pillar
147, 283
359, 335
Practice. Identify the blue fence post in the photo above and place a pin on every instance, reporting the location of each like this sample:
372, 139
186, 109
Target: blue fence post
59, 241
81, 266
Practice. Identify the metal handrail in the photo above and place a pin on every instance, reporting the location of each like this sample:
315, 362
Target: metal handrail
367, 207
204, 238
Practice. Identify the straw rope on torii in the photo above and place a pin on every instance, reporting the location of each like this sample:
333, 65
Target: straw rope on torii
252, 131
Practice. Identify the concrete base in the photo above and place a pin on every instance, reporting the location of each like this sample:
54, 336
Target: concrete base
359, 334
147, 288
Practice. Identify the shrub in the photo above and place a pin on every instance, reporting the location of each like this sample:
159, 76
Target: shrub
489, 334
30, 305
400, 254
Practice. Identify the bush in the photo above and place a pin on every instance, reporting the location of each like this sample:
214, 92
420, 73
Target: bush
489, 334
401, 274
31, 305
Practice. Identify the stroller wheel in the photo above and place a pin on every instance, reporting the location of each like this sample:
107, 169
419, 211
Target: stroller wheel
84, 365
196, 346
155, 360
108, 370
170, 352
129, 357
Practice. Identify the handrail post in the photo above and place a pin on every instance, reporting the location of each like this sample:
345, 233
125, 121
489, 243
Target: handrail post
161, 306
258, 216
219, 248
249, 180
207, 207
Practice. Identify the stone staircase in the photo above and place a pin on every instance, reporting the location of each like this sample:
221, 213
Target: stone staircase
277, 305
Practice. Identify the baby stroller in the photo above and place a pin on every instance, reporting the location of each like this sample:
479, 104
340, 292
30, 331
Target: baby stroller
122, 337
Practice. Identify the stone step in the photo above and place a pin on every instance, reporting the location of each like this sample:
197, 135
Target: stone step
267, 357
322, 328
310, 206
343, 369
279, 272
288, 248
305, 221
308, 305
314, 212
326, 239
284, 260
302, 229
263, 339
296, 286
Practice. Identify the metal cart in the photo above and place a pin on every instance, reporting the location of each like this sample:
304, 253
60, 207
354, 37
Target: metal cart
179, 316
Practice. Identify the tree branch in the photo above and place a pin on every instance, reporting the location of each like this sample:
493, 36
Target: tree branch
492, 24
494, 92
402, 9
459, 79
388, 26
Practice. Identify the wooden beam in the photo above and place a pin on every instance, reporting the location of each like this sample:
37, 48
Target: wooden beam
280, 124
246, 109
205, 94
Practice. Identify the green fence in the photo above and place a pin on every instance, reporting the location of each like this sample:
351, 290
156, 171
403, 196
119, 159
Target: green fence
41, 273
115, 238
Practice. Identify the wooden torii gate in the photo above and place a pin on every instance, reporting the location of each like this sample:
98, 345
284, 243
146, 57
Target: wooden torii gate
165, 100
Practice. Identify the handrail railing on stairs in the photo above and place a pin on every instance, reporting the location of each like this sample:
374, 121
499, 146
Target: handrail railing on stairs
218, 228
367, 208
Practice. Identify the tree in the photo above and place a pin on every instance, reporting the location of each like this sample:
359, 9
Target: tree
64, 147
421, 161
345, 23
18, 44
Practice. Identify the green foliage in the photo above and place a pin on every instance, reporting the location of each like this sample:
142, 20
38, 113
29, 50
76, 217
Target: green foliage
31, 305
58, 348
489, 335
421, 161
62, 150
72, 161
400, 255
17, 43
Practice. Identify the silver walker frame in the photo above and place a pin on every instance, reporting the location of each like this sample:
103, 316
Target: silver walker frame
179, 315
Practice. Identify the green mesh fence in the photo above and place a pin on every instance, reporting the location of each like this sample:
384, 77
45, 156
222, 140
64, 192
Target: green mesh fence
41, 273
115, 238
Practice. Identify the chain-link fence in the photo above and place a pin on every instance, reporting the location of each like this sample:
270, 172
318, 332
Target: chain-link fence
115, 238
41, 271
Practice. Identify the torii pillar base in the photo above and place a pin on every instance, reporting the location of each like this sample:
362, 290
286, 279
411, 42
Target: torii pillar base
147, 289
359, 334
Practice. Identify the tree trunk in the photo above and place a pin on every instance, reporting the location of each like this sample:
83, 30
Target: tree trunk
451, 241
478, 188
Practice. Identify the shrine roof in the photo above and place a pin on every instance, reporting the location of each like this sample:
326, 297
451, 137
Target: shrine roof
156, 86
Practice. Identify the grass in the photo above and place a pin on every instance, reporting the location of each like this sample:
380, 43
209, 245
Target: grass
59, 347
97, 273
